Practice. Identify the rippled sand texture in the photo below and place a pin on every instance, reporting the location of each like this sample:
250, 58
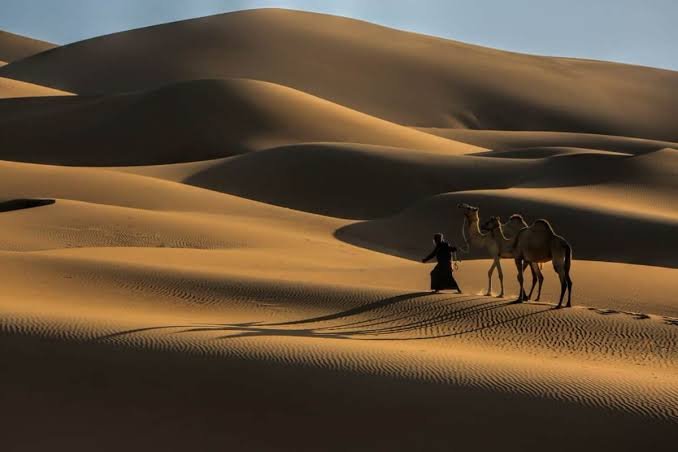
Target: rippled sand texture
214, 243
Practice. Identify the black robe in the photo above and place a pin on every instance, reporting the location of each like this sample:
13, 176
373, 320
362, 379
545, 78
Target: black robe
441, 275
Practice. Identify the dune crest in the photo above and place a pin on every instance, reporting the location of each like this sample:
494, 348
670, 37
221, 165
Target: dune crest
422, 81
190, 121
15, 47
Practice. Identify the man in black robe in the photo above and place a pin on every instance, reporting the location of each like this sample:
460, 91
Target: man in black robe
441, 275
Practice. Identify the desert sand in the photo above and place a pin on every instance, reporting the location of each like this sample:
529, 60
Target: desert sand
214, 243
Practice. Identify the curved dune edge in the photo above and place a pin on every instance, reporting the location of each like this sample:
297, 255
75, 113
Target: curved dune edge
384, 181
508, 140
14, 88
192, 121
15, 47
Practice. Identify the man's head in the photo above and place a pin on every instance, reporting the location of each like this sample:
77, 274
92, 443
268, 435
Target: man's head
437, 238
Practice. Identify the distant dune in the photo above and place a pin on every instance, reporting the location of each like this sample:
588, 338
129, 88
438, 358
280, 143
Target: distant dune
15, 47
190, 121
401, 77
503, 140
216, 242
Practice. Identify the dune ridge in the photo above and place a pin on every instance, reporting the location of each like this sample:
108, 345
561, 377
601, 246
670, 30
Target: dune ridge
192, 121
13, 88
15, 47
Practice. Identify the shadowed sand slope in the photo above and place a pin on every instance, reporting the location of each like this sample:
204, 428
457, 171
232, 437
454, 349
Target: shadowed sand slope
615, 227
439, 83
189, 121
314, 177
610, 208
15, 47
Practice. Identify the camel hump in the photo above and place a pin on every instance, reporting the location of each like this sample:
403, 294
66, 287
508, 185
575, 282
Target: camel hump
517, 218
543, 225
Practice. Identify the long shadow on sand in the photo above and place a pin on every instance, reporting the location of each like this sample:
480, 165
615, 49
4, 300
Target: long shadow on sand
436, 316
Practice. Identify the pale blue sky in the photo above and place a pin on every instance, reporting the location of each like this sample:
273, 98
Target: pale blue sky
632, 31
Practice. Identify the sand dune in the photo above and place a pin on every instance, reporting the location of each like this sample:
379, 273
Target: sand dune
13, 88
15, 47
503, 140
312, 177
190, 121
216, 243
610, 227
439, 83
159, 316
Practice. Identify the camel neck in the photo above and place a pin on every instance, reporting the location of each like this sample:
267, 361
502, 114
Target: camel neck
476, 237
498, 234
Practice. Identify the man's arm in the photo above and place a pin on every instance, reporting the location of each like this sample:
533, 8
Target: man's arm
430, 256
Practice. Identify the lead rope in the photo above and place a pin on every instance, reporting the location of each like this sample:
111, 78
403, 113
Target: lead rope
456, 261
463, 234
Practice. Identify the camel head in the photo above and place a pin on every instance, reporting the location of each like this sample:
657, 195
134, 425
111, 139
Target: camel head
470, 212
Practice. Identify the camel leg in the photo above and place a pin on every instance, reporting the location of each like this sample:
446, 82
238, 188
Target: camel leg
568, 281
520, 268
540, 277
501, 277
534, 278
563, 284
489, 278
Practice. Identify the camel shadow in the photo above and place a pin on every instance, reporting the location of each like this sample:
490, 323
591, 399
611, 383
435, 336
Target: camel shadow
440, 317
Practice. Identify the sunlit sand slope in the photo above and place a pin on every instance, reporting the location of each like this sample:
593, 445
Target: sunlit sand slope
13, 88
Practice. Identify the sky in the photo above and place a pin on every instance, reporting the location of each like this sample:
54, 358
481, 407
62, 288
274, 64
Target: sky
631, 31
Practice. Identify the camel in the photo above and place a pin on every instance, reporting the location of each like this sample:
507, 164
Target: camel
474, 236
539, 243
505, 243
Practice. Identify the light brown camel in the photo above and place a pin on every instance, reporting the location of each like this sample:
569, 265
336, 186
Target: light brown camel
506, 243
539, 243
473, 236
